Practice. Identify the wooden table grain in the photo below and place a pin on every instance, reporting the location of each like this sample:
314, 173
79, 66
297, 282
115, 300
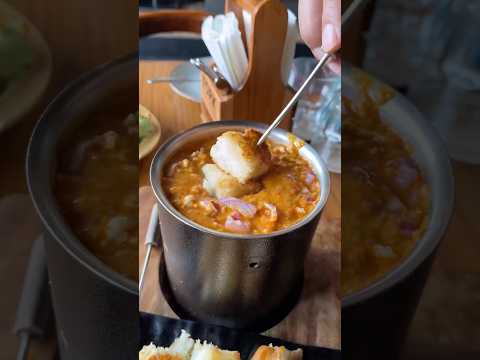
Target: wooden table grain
316, 319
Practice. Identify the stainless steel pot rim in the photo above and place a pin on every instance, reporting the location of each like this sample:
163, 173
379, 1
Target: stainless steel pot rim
47, 207
155, 169
439, 215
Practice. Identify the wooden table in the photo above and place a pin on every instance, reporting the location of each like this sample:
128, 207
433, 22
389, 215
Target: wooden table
316, 319
80, 35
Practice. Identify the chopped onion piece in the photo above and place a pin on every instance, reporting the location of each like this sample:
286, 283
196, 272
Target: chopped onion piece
237, 226
246, 209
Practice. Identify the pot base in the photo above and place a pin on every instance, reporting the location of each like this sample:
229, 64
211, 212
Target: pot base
258, 325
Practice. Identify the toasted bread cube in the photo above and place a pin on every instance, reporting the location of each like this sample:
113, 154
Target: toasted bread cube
180, 349
204, 351
183, 345
220, 185
238, 155
151, 352
277, 353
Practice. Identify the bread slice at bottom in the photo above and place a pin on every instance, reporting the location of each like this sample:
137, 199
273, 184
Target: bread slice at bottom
205, 351
277, 353
180, 349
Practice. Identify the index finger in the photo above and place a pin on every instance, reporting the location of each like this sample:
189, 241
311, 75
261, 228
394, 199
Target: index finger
331, 25
310, 21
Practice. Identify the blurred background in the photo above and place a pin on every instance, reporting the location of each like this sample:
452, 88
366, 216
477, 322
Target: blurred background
430, 51
79, 35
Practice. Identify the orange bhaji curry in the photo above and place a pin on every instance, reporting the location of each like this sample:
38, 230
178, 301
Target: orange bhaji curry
385, 201
96, 185
227, 186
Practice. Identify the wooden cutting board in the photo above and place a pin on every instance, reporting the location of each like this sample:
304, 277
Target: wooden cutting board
316, 319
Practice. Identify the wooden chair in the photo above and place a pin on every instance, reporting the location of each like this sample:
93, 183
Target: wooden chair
160, 21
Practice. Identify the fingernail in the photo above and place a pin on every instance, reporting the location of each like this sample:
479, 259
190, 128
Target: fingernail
329, 38
318, 53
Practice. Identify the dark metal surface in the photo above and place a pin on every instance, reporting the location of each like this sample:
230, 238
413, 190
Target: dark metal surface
261, 323
231, 279
177, 48
376, 328
96, 309
163, 48
162, 331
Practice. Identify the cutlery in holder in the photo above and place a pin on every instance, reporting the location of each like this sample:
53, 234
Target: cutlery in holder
263, 94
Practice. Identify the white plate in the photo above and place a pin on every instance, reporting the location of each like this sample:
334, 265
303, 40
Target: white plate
187, 89
23, 93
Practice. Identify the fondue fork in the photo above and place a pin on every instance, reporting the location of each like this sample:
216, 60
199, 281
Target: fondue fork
34, 311
214, 75
327, 56
151, 240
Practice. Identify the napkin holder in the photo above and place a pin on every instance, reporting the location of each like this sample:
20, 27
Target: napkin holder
263, 94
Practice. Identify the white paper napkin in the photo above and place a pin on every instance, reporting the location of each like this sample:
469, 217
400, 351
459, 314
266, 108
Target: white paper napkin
223, 39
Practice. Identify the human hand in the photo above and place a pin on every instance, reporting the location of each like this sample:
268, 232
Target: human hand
320, 27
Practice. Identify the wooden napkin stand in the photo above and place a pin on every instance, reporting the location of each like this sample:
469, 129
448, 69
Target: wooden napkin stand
263, 95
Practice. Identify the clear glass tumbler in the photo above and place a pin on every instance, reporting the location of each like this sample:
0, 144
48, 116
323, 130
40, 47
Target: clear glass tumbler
318, 115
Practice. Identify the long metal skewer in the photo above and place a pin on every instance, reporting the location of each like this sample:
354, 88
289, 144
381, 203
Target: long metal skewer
295, 98
345, 17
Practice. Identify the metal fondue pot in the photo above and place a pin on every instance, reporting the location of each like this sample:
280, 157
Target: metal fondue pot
240, 281
96, 309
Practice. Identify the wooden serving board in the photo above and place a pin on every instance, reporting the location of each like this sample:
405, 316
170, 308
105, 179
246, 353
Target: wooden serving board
316, 319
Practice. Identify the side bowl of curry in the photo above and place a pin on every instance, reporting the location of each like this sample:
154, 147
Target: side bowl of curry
408, 134
95, 303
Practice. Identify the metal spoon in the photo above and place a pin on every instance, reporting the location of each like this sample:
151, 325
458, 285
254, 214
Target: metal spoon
217, 78
345, 17
163, 79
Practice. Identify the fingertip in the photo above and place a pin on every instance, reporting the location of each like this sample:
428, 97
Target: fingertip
335, 64
318, 53
330, 39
